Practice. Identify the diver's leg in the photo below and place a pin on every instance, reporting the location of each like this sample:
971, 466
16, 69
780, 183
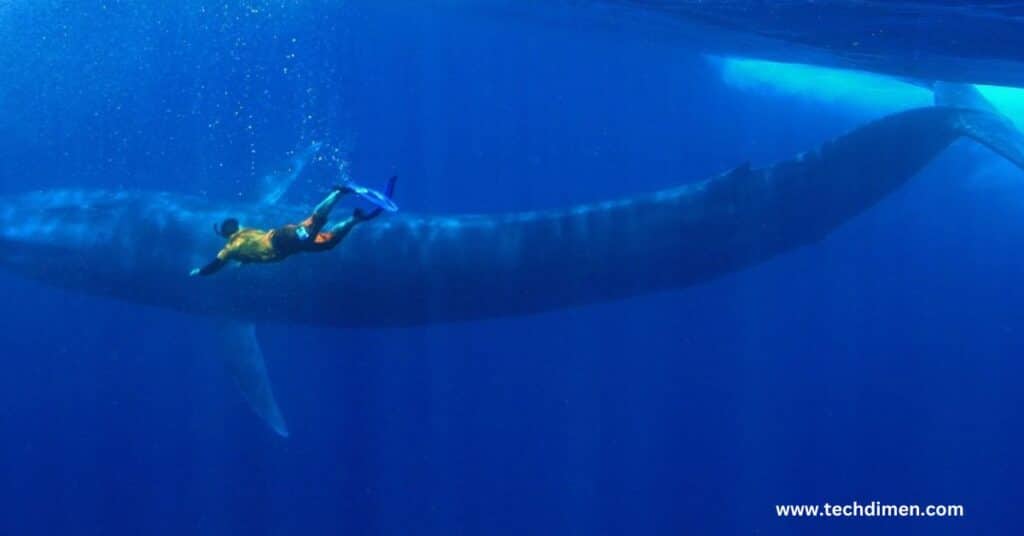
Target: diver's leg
312, 225
333, 236
323, 209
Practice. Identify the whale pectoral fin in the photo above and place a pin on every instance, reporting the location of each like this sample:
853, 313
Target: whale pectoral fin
274, 185
244, 358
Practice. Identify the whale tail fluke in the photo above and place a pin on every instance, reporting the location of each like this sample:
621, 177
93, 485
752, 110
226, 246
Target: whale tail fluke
994, 131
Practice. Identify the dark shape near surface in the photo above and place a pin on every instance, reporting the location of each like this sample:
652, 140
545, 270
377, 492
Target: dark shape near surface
975, 42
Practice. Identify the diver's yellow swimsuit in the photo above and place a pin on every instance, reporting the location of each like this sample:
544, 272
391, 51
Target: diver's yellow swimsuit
250, 245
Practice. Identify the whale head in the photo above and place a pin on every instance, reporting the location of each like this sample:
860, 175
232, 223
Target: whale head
85, 239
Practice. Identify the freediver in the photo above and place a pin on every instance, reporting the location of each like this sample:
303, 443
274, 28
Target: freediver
246, 245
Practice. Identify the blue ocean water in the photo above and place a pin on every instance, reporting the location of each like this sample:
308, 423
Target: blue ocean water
880, 364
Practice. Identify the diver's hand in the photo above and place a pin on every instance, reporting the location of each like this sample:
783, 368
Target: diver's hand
194, 272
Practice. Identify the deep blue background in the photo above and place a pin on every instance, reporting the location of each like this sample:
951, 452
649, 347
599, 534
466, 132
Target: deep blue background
882, 364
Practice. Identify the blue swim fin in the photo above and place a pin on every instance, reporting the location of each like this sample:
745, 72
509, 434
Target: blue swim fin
381, 200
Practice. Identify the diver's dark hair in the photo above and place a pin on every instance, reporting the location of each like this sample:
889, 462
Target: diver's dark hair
226, 228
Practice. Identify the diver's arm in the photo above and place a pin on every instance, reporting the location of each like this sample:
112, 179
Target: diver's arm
211, 268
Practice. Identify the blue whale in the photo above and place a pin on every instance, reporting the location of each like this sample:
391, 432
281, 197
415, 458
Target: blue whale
407, 270
980, 41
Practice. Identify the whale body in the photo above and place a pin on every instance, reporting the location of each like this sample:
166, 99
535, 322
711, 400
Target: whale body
408, 270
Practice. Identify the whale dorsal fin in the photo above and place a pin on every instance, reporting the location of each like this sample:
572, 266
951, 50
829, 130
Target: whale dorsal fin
989, 126
242, 354
995, 131
961, 96
273, 186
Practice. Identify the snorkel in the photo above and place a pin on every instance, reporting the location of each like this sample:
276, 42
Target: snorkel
226, 228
